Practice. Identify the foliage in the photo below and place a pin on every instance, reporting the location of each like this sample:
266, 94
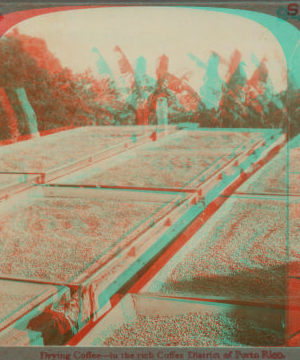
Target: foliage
61, 98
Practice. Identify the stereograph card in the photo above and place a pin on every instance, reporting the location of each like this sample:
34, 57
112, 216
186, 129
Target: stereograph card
149, 180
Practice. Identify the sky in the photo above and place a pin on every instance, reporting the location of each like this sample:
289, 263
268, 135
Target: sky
153, 31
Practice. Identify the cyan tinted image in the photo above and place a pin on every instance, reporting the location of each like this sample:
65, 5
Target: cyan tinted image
149, 178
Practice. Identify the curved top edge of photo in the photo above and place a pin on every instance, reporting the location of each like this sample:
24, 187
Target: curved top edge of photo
206, 67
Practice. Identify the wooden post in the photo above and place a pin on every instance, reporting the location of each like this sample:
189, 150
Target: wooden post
142, 112
162, 113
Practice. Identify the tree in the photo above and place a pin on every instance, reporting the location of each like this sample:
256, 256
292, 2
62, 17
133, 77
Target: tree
16, 68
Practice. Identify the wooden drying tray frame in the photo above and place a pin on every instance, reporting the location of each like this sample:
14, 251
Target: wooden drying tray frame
291, 195
164, 220
111, 275
257, 196
105, 154
16, 186
137, 192
235, 158
138, 304
117, 267
92, 191
107, 193
184, 228
110, 161
133, 193
169, 201
30, 309
186, 214
102, 154
107, 280
15, 332
210, 209
174, 205
244, 163
107, 163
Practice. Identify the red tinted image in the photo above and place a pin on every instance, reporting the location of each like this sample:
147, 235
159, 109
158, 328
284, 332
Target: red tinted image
149, 178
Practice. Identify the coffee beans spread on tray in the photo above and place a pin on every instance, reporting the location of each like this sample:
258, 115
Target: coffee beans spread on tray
240, 254
53, 151
56, 238
192, 329
150, 170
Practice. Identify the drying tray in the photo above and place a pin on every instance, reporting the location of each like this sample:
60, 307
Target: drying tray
140, 320
17, 300
98, 283
51, 236
280, 176
233, 254
54, 155
151, 167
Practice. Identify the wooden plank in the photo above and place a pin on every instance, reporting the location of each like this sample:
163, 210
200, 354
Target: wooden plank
109, 194
267, 196
11, 183
229, 170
